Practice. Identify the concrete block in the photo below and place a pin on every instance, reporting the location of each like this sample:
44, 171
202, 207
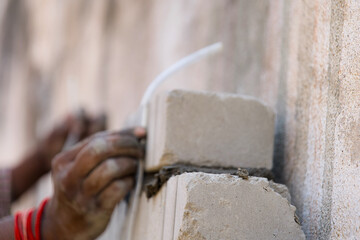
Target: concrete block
217, 206
209, 129
155, 216
226, 207
150, 219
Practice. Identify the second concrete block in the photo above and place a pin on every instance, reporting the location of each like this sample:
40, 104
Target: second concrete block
209, 129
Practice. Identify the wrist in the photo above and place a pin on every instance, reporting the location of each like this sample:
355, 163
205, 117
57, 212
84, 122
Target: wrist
6, 191
29, 224
50, 229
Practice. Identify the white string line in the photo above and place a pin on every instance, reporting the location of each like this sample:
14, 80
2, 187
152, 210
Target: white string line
196, 56
182, 63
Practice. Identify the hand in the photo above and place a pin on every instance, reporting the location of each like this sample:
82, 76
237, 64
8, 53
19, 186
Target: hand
89, 180
38, 161
79, 126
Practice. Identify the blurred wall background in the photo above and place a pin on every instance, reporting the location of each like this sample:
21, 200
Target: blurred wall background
301, 57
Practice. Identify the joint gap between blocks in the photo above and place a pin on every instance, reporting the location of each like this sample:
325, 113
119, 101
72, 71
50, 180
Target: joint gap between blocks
154, 181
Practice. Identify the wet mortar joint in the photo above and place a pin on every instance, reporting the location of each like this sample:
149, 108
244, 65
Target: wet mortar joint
154, 181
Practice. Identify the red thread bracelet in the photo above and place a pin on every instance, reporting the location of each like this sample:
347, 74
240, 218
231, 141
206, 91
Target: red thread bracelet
29, 231
38, 219
16, 226
23, 226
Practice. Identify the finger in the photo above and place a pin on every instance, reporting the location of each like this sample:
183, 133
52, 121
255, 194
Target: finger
114, 193
61, 166
97, 124
65, 157
80, 124
55, 140
64, 162
108, 171
102, 148
138, 132
69, 155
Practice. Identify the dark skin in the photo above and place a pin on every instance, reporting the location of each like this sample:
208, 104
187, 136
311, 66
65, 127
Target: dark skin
38, 162
89, 180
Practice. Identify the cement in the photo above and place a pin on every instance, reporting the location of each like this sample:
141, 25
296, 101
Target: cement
154, 181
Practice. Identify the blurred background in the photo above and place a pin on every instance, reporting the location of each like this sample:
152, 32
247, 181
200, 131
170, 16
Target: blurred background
289, 54
111, 50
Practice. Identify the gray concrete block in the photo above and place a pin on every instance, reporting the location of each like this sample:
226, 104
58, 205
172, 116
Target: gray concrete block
227, 207
209, 129
217, 206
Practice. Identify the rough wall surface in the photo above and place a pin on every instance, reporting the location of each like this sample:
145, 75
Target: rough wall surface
301, 57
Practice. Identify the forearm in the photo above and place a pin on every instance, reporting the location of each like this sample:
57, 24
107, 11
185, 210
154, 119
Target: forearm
7, 228
5, 192
25, 174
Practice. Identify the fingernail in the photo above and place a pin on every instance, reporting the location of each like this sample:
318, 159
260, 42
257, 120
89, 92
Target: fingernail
139, 131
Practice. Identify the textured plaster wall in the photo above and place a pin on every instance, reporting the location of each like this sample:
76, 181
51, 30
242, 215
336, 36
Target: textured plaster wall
322, 140
301, 57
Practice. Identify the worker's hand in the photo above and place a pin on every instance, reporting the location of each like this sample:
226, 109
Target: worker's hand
89, 180
79, 126
38, 161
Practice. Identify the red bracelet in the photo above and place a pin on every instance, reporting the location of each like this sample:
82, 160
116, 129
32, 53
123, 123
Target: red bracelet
38, 219
23, 226
23, 223
29, 230
16, 226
